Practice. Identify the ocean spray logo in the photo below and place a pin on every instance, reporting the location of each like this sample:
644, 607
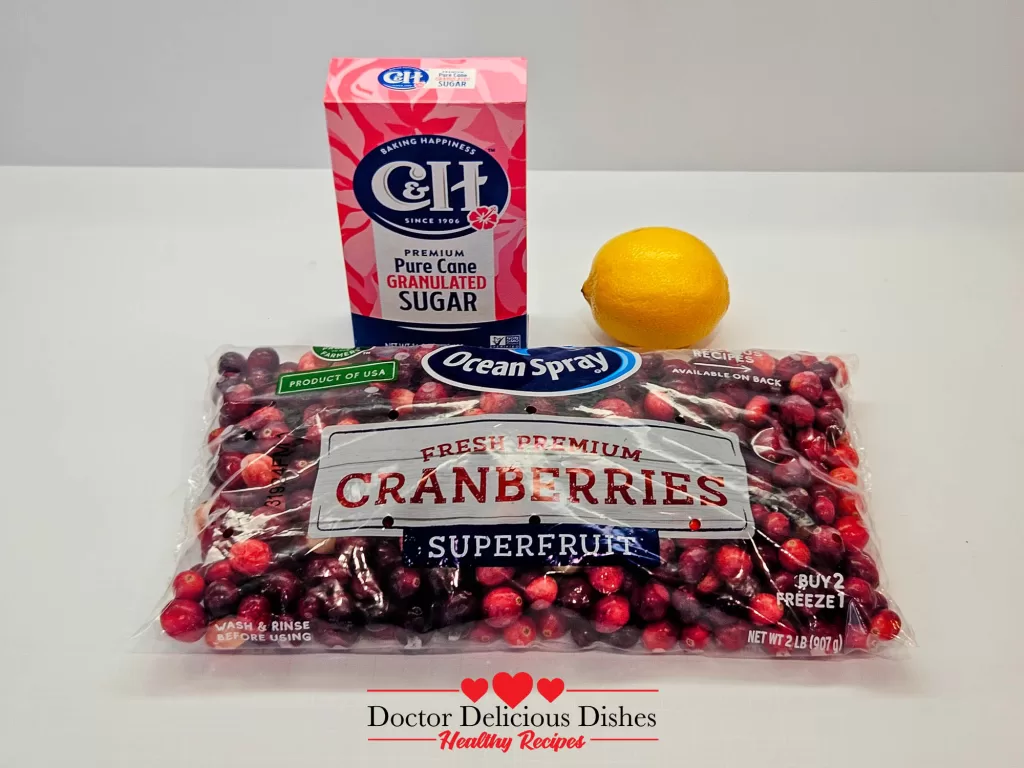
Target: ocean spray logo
539, 371
433, 187
402, 78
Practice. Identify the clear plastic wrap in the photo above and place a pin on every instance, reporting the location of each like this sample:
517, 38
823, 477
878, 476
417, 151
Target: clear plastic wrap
450, 499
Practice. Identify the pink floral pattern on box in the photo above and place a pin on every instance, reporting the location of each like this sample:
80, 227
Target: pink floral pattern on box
362, 114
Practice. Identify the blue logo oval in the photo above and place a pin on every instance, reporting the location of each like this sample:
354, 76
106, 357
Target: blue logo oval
430, 186
538, 371
402, 78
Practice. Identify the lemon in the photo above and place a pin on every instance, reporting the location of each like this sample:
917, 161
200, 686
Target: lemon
656, 288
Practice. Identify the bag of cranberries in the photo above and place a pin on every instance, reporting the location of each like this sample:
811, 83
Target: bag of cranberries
451, 498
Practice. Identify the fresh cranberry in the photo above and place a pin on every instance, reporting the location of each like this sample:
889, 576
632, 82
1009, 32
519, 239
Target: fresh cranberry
189, 585
686, 604
765, 610
250, 557
831, 422
231, 362
575, 594
759, 512
228, 469
551, 624
220, 570
709, 585
221, 598
401, 398
282, 588
787, 367
666, 550
781, 640
841, 456
653, 601
431, 392
770, 444
457, 608
811, 444
257, 470
274, 436
776, 526
720, 407
755, 413
405, 582
310, 362
259, 418
767, 555
880, 601
791, 473
824, 510
733, 637
521, 632
850, 504
583, 633
483, 633
742, 431
328, 599
238, 402
784, 581
658, 406
855, 535
611, 613
694, 638
287, 368
844, 475
605, 578
502, 606
860, 593
301, 473
732, 563
183, 620
795, 411
254, 609
693, 564
660, 636
826, 543
542, 406
492, 577
794, 555
264, 358
542, 592
799, 498
807, 385
614, 406
496, 402
388, 555
862, 566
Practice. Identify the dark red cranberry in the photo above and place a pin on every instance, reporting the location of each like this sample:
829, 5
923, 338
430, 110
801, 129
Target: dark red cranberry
405, 582
862, 566
274, 436
457, 608
328, 598
287, 368
667, 550
693, 564
254, 609
281, 588
732, 563
492, 577
183, 620
824, 510
624, 638
229, 468
826, 543
231, 362
263, 358
221, 598
388, 555
521, 632
189, 585
881, 602
583, 633
733, 637
787, 367
259, 418
831, 422
611, 613
886, 625
542, 592
250, 557
686, 605
502, 606
767, 555
443, 580
301, 473
833, 400
542, 406
299, 502
238, 402
765, 610
807, 385
575, 594
860, 593
551, 624
770, 444
795, 411
333, 636
798, 498
776, 526
653, 601
605, 578
794, 555
694, 638
759, 512
431, 392
791, 473
784, 581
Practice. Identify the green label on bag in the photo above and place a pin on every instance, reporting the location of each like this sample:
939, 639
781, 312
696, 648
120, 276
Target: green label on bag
329, 378
337, 353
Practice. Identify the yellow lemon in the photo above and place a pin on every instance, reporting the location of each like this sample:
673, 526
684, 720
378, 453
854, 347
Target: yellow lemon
656, 288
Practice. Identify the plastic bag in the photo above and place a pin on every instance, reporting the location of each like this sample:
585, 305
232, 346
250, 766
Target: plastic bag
563, 498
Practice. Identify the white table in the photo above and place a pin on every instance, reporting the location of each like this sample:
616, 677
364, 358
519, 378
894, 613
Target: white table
116, 284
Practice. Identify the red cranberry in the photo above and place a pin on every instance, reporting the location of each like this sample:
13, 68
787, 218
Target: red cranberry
694, 638
542, 592
605, 578
431, 392
844, 475
667, 550
265, 358
483, 633
798, 498
183, 620
742, 431
794, 555
686, 605
781, 640
755, 414
860, 593
492, 577
807, 385
811, 444
613, 406
841, 456
759, 512
776, 526
250, 557
496, 402
693, 564
238, 402
611, 613
551, 624
795, 411
229, 467
831, 422
257, 470
709, 585
791, 365
833, 400
791, 473
660, 636
732, 563
274, 436
733, 637
521, 632
282, 588
770, 444
575, 594
301, 473
405, 582
855, 535
401, 399
388, 555
850, 504
858, 638
220, 570
824, 511
783, 581
310, 362
254, 609
653, 601
220, 598
765, 610
658, 406
261, 417
189, 585
542, 405
862, 566
503, 606
826, 543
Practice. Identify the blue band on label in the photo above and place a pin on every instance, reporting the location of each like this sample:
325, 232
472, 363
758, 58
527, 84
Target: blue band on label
498, 545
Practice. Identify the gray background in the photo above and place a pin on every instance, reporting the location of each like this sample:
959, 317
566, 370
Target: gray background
614, 84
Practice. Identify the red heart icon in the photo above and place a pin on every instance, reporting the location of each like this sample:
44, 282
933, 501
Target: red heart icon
474, 689
550, 689
512, 690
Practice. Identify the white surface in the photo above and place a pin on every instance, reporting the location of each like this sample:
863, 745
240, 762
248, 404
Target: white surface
116, 284
639, 85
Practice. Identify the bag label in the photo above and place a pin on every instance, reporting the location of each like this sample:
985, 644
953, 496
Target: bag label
516, 469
